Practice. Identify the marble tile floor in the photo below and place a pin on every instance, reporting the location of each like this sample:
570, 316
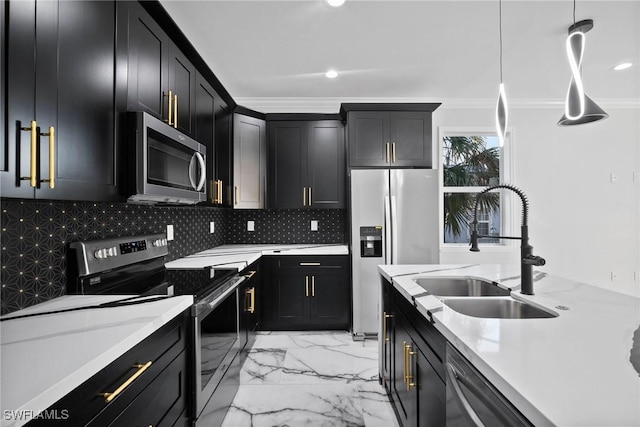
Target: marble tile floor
293, 379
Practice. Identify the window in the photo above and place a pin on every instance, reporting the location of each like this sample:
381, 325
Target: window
470, 162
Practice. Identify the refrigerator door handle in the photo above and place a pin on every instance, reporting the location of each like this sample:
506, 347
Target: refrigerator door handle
394, 231
387, 229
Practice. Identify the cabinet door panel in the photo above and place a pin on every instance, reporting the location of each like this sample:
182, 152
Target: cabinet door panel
288, 164
249, 162
148, 74
327, 169
292, 304
182, 78
81, 105
329, 298
20, 95
368, 138
431, 393
411, 134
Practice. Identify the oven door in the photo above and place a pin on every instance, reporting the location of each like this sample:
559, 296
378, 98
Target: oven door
216, 342
171, 166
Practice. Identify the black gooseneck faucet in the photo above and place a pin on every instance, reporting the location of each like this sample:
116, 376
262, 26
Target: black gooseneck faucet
527, 259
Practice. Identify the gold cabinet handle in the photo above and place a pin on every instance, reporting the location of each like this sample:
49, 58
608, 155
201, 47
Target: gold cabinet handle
251, 294
408, 376
175, 110
236, 191
313, 286
33, 130
52, 156
310, 202
304, 196
216, 191
306, 285
393, 152
108, 397
387, 153
169, 108
250, 274
404, 362
384, 325
219, 191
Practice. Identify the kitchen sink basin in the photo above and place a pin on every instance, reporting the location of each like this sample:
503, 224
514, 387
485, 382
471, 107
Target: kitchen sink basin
460, 287
497, 308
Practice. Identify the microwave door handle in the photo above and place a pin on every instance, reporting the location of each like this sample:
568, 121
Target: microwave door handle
203, 171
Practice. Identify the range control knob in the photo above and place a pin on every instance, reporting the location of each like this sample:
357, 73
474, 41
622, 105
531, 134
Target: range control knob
159, 243
112, 251
100, 254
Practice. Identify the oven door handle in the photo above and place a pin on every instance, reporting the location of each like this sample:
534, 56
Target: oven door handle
204, 307
192, 165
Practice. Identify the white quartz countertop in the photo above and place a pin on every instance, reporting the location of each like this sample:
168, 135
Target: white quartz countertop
241, 256
571, 370
43, 358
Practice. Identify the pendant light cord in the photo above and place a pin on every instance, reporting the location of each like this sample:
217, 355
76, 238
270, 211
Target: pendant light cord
574, 13
500, 21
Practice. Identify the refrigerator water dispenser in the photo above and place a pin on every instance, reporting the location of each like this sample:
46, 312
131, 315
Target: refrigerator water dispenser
371, 242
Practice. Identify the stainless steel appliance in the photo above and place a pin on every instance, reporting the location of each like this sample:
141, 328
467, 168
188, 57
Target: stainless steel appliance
394, 220
472, 401
166, 165
135, 266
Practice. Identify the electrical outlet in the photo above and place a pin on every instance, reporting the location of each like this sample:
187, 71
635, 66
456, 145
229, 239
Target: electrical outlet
613, 177
169, 232
251, 226
636, 177
314, 225
613, 276
212, 227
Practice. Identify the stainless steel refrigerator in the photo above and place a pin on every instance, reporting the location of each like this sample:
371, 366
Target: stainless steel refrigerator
394, 220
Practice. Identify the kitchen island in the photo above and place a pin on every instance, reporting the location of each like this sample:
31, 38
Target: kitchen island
47, 356
575, 369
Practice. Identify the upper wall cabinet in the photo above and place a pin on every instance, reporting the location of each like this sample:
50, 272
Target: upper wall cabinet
59, 138
249, 162
306, 164
161, 80
389, 135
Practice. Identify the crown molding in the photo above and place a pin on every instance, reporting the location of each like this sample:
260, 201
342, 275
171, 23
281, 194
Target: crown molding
332, 105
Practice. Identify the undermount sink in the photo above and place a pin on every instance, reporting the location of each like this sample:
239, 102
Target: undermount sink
497, 308
460, 287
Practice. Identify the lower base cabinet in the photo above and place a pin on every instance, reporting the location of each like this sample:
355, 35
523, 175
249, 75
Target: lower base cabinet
413, 355
305, 292
158, 396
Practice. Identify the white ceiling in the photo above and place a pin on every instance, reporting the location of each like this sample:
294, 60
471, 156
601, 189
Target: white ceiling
272, 55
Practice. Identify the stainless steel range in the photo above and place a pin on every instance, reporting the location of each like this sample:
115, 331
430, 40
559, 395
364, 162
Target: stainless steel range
135, 266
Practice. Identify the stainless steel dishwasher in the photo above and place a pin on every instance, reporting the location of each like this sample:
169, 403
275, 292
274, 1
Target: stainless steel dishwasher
474, 401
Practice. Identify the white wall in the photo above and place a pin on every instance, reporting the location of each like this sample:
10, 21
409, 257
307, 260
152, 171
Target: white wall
584, 225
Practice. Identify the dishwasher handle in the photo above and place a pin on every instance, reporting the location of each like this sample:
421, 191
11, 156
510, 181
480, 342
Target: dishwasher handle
453, 379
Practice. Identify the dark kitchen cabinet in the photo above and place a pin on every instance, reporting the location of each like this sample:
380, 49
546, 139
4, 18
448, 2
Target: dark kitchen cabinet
306, 164
389, 135
412, 363
61, 106
158, 395
205, 132
249, 309
161, 80
305, 292
249, 162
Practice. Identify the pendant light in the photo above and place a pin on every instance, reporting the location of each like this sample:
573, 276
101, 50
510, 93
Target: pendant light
579, 108
502, 111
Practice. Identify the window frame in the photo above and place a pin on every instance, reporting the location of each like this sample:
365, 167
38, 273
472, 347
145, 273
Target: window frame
507, 175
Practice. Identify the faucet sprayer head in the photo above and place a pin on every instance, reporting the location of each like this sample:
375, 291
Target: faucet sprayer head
474, 237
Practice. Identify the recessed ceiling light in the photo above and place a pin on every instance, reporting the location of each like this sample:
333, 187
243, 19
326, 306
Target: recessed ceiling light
331, 74
334, 3
622, 66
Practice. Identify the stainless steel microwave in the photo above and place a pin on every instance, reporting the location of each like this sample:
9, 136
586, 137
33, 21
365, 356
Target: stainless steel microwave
168, 166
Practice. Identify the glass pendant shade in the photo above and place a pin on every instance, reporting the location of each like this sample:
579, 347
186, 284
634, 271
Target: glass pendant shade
502, 115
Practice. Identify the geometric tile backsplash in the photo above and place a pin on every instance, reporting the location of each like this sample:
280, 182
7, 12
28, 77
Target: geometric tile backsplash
35, 236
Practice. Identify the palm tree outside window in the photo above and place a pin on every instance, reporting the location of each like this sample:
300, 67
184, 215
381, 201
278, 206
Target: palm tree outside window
470, 163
